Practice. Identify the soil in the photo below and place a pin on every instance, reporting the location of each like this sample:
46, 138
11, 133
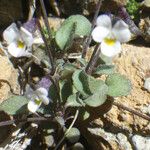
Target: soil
116, 129
133, 63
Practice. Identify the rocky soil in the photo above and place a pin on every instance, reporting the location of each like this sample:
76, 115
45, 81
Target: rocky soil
121, 129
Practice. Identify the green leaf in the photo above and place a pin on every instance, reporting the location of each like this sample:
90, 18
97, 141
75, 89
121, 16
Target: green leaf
82, 61
73, 135
74, 101
14, 105
98, 98
84, 114
53, 93
67, 71
85, 84
42, 56
104, 69
118, 85
66, 89
74, 26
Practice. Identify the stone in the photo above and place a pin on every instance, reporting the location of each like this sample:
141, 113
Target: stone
123, 142
117, 141
8, 79
147, 84
141, 143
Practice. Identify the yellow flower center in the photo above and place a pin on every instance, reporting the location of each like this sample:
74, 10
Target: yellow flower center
109, 42
37, 101
20, 44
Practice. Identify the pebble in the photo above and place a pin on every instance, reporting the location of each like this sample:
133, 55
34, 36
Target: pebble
123, 142
141, 143
147, 84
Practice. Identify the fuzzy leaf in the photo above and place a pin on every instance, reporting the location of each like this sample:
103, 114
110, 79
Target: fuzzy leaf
118, 85
65, 89
68, 70
98, 98
84, 114
74, 101
73, 135
53, 93
85, 84
14, 105
104, 69
82, 61
75, 24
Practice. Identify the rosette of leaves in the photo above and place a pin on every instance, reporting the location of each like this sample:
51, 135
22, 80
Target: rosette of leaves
90, 92
73, 27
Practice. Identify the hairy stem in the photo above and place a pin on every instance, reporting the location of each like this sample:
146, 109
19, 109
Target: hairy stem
48, 49
45, 18
95, 55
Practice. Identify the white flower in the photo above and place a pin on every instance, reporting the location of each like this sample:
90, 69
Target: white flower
37, 97
110, 36
19, 41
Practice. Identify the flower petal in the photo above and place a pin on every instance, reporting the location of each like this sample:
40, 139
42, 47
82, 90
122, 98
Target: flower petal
99, 33
110, 50
44, 99
15, 51
26, 36
104, 21
28, 91
42, 91
38, 41
121, 31
11, 33
32, 106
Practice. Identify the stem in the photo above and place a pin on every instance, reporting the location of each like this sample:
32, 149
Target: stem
47, 48
146, 117
45, 18
67, 131
56, 84
33, 119
89, 38
95, 55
